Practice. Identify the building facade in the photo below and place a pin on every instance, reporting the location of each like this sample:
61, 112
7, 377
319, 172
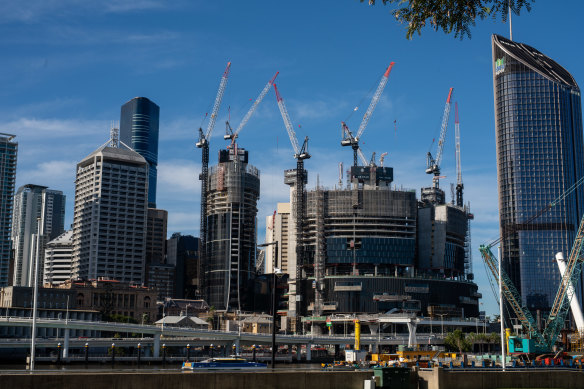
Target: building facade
182, 252
540, 154
230, 252
111, 297
36, 208
372, 248
8, 156
139, 130
58, 264
278, 229
109, 223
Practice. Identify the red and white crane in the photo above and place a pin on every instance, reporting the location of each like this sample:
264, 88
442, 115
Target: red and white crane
353, 141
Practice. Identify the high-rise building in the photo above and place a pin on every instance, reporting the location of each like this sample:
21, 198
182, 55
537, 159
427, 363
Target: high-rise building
109, 222
157, 220
58, 264
230, 252
182, 252
158, 275
139, 130
373, 248
8, 154
540, 154
34, 204
278, 229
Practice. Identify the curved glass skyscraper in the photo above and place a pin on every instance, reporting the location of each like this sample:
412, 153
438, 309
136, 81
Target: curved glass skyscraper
540, 154
139, 130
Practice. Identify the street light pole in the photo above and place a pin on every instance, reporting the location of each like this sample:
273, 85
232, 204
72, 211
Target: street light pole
274, 280
442, 322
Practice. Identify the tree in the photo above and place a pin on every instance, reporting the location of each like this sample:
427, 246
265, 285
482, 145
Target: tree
456, 16
456, 340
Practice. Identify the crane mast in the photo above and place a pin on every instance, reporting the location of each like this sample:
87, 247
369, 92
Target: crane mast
459, 184
433, 165
353, 141
203, 144
571, 276
233, 135
300, 154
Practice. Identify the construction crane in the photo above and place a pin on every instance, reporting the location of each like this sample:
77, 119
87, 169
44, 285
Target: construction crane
353, 141
433, 165
382, 158
300, 154
203, 144
459, 184
545, 341
229, 134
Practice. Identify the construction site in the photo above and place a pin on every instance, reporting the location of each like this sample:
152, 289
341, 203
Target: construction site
365, 246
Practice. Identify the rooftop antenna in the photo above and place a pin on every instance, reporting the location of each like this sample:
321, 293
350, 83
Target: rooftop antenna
114, 135
510, 25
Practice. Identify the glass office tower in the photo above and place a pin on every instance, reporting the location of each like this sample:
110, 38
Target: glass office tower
8, 155
540, 154
139, 130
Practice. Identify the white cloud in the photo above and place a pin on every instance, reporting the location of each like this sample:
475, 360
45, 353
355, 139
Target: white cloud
38, 129
54, 174
33, 11
178, 178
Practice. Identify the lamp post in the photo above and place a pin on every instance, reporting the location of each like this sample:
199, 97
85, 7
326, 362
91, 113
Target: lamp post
274, 264
139, 353
442, 322
35, 294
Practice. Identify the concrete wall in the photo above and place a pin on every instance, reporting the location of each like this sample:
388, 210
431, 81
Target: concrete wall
526, 378
187, 380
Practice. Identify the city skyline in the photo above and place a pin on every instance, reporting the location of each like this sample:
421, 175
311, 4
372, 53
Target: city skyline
343, 52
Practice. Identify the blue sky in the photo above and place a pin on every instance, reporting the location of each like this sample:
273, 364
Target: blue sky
68, 65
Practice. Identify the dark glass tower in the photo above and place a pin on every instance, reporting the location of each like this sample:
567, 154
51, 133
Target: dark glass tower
540, 154
139, 130
8, 155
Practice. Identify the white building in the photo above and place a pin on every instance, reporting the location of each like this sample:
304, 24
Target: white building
58, 265
109, 224
34, 204
277, 229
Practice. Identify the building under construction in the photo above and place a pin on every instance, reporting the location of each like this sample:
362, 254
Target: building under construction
230, 244
370, 247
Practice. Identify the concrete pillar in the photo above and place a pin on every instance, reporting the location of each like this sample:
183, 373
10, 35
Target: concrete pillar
412, 341
66, 344
156, 345
308, 352
373, 328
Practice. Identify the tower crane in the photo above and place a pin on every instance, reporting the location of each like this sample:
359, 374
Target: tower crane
229, 134
459, 184
353, 141
433, 165
382, 158
545, 341
300, 154
203, 144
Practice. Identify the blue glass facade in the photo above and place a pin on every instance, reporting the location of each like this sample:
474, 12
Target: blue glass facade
540, 154
375, 251
139, 130
8, 154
